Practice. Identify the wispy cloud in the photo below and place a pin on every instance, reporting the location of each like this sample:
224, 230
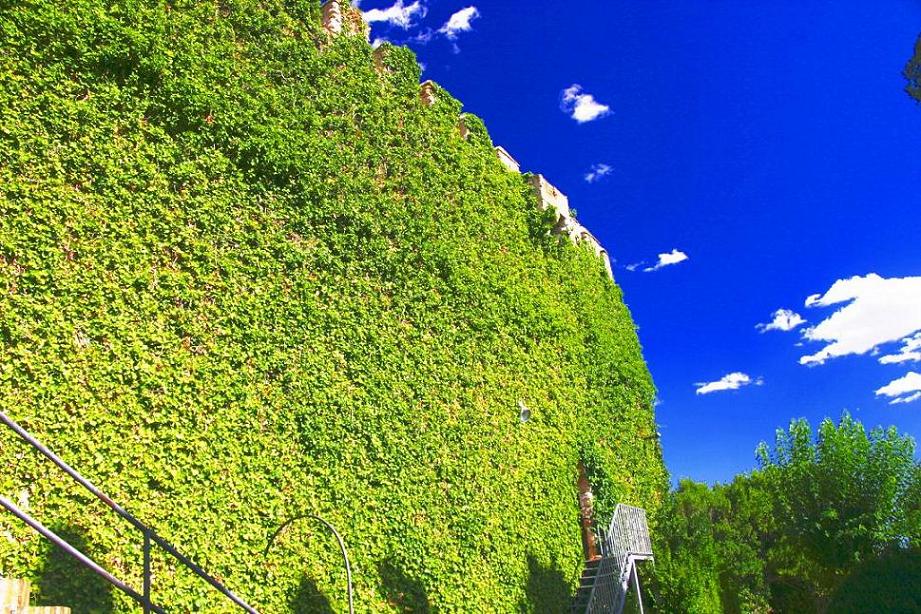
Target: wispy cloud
730, 381
668, 259
910, 352
598, 171
876, 311
398, 15
784, 320
903, 390
459, 22
582, 107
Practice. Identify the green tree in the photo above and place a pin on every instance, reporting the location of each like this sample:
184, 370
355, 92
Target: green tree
913, 73
843, 497
822, 507
889, 584
708, 553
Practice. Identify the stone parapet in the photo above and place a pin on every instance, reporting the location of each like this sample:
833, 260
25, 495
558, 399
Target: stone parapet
507, 160
14, 595
462, 126
549, 197
14, 599
580, 235
339, 19
427, 93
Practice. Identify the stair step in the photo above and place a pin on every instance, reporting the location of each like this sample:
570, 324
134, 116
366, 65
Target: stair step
14, 594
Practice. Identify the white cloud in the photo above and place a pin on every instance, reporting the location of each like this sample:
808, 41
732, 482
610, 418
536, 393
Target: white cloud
903, 390
597, 172
396, 15
668, 259
731, 381
424, 36
634, 266
582, 107
877, 311
459, 22
911, 351
784, 320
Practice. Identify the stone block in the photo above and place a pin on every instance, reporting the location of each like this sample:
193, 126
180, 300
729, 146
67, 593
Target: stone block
427, 93
549, 197
332, 17
343, 20
379, 56
507, 160
14, 595
462, 127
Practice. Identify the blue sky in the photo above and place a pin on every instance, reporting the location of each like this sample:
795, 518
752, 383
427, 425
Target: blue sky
766, 149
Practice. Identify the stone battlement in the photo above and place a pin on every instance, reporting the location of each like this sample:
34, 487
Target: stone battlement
507, 160
427, 93
549, 197
343, 20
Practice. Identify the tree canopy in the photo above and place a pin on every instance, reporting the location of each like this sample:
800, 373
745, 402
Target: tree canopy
913, 73
822, 507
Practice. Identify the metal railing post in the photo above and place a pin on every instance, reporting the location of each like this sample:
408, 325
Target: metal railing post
636, 583
147, 578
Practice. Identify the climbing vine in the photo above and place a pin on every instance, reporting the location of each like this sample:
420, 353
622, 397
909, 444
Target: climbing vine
246, 275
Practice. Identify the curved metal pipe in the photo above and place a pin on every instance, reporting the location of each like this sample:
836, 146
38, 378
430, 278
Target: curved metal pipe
345, 554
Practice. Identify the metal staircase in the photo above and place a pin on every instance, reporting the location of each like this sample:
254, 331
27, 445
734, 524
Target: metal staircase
606, 580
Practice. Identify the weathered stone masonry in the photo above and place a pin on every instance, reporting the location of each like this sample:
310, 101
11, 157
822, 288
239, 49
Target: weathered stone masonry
338, 20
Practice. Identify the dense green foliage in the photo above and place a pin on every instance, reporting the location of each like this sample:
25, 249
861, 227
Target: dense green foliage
888, 584
913, 73
245, 276
821, 514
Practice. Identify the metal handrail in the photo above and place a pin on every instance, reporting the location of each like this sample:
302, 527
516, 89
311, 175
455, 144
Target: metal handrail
345, 554
83, 559
150, 536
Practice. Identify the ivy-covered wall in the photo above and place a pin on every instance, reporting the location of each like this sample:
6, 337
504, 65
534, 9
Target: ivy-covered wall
245, 276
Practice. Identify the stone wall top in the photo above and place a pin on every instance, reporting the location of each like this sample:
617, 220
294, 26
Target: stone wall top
339, 19
549, 197
507, 160
427, 93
